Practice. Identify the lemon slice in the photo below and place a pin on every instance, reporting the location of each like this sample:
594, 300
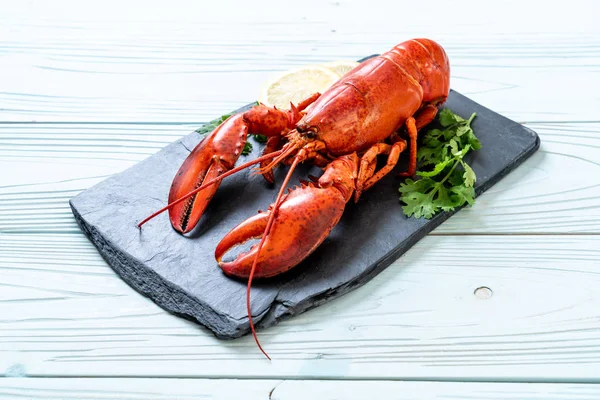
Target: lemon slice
340, 67
296, 85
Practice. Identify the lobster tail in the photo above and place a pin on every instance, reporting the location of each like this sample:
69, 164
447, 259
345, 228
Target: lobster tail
427, 62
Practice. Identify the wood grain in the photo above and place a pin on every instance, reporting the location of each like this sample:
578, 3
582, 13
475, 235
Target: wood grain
198, 60
180, 389
50, 163
65, 313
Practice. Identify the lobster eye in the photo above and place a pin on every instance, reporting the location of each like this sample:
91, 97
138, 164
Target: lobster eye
306, 131
301, 128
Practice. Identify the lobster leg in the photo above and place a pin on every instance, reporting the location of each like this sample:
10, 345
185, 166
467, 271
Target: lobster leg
307, 102
366, 175
273, 144
320, 160
413, 126
425, 116
317, 158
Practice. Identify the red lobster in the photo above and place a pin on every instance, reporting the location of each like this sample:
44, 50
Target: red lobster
343, 130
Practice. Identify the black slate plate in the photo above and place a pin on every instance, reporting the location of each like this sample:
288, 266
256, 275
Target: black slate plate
179, 273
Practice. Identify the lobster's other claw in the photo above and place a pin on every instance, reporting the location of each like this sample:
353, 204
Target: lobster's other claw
304, 219
214, 155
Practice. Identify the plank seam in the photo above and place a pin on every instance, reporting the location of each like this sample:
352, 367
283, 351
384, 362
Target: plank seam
557, 381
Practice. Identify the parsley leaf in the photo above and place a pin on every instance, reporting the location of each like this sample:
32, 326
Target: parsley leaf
431, 155
418, 202
247, 148
260, 138
421, 185
448, 118
443, 200
469, 175
446, 179
439, 167
472, 140
463, 194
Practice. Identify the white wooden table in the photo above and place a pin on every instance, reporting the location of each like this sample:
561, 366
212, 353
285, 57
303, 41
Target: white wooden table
88, 90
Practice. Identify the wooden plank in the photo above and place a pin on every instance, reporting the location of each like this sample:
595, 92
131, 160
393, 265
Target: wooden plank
50, 163
144, 389
169, 389
198, 60
64, 313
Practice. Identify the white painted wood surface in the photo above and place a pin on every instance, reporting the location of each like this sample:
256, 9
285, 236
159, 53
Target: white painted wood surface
65, 313
186, 389
87, 90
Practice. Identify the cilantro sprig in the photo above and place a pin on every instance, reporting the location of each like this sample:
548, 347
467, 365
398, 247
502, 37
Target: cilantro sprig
212, 125
446, 179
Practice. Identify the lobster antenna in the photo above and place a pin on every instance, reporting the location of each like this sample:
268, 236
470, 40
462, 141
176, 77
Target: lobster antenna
262, 242
210, 182
286, 151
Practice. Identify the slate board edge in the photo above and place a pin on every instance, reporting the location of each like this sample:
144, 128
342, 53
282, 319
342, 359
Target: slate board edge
180, 303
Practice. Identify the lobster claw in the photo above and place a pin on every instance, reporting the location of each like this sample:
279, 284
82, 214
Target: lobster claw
303, 220
214, 155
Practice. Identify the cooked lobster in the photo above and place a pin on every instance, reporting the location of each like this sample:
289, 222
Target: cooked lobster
366, 113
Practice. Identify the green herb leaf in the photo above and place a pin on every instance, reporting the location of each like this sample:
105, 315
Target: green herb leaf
439, 167
418, 204
420, 185
430, 156
260, 138
431, 138
463, 194
446, 179
431, 142
448, 118
472, 140
456, 178
443, 199
247, 148
469, 175
460, 154
453, 146
461, 130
